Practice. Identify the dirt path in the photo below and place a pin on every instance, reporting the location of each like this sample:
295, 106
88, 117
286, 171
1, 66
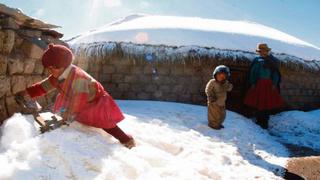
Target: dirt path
306, 167
304, 164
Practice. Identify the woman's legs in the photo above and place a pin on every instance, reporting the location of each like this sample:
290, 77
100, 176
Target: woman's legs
125, 139
263, 118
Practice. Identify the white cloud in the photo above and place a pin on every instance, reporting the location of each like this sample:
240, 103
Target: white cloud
39, 13
112, 3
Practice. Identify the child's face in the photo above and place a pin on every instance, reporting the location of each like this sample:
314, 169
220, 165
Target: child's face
221, 77
55, 72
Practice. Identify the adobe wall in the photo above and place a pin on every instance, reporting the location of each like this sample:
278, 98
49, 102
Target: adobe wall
130, 76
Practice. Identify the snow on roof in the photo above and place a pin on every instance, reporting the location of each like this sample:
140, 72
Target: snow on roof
181, 53
194, 31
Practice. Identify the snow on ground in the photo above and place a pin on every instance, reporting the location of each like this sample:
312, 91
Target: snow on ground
297, 127
193, 31
173, 142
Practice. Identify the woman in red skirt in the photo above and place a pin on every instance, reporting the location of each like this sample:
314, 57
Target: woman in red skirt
264, 79
80, 96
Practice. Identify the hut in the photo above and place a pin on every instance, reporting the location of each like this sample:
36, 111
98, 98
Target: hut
167, 58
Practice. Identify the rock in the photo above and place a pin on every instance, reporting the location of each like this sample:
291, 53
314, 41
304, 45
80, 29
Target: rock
137, 70
197, 98
150, 88
30, 33
12, 105
4, 85
144, 96
130, 95
31, 50
157, 94
18, 83
176, 70
50, 39
7, 39
306, 167
165, 88
105, 78
38, 69
184, 98
137, 88
9, 23
94, 66
30, 80
18, 42
163, 70
3, 65
3, 110
95, 75
108, 69
189, 71
29, 66
83, 66
124, 87
15, 66
117, 78
130, 78
178, 89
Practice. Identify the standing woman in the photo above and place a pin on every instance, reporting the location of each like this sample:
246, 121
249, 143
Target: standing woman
264, 79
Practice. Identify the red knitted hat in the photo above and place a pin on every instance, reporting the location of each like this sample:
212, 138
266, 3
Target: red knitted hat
57, 55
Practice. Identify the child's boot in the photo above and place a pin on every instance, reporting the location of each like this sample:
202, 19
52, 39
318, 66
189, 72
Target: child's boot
129, 144
125, 139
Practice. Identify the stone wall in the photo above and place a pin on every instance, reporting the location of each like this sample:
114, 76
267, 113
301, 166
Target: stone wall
127, 76
301, 89
22, 42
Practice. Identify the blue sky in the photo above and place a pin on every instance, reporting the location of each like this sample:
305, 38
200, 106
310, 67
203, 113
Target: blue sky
296, 17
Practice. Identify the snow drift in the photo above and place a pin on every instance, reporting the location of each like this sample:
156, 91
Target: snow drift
173, 142
192, 31
297, 127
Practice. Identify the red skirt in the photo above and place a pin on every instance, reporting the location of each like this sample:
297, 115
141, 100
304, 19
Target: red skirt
103, 113
263, 96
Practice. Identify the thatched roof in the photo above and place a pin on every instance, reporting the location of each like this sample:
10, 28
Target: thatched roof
180, 54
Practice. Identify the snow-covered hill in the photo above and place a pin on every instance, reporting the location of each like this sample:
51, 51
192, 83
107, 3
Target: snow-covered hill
193, 31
